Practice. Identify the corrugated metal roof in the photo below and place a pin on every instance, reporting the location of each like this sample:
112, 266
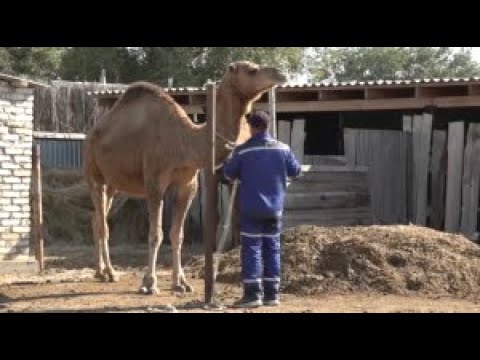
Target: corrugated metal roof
29, 83
324, 84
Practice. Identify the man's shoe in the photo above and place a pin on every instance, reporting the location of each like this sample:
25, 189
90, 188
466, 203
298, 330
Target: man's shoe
247, 303
271, 302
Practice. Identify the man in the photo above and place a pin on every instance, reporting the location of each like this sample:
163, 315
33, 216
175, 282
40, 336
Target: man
262, 165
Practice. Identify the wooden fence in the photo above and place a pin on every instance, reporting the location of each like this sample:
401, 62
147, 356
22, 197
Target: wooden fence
421, 175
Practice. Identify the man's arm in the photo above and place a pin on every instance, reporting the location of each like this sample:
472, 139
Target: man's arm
293, 166
231, 169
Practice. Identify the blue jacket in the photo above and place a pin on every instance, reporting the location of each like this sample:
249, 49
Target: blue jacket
262, 164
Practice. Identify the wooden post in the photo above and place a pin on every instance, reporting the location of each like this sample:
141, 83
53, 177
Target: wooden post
456, 132
210, 220
272, 108
37, 207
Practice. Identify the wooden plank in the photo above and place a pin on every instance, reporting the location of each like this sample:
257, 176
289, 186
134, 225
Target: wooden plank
325, 213
298, 139
328, 160
310, 169
284, 129
416, 138
407, 129
329, 176
359, 185
439, 168
470, 183
456, 131
349, 139
386, 172
422, 138
326, 200
466, 183
329, 217
308, 159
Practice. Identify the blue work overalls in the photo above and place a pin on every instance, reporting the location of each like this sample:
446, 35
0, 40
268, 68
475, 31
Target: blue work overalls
262, 164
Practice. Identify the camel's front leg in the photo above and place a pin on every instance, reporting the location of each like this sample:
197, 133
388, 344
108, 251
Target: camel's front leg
155, 237
183, 200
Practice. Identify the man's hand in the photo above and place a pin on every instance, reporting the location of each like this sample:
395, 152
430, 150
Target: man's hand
221, 176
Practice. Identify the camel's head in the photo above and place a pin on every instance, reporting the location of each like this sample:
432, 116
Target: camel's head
252, 80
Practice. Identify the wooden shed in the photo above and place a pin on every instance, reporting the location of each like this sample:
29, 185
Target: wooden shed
416, 142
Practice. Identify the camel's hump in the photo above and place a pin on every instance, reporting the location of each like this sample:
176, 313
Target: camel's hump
140, 89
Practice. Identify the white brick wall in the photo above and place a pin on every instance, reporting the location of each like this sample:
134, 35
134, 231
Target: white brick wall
16, 124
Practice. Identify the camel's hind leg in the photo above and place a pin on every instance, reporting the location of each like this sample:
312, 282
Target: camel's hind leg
183, 200
102, 197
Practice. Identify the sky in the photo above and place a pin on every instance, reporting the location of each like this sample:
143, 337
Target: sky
476, 53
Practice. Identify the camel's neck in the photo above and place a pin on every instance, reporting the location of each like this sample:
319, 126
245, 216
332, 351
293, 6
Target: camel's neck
231, 110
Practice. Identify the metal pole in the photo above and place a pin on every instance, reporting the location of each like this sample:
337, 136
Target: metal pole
211, 197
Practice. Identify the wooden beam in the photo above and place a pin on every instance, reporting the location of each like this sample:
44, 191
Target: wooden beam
54, 135
354, 105
374, 104
37, 211
456, 131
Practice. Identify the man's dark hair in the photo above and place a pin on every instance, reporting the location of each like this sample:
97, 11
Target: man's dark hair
259, 120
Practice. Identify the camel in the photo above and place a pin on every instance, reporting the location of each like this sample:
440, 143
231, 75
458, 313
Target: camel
146, 144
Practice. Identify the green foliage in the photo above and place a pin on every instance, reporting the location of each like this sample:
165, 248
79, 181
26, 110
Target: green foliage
372, 63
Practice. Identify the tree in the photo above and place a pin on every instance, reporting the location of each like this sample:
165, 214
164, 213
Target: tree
35, 62
193, 66
86, 63
212, 62
5, 60
373, 63
187, 66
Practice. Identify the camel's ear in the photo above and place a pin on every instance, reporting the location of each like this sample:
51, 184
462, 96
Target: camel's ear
233, 68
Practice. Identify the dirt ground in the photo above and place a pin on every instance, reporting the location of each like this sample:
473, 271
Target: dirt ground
68, 286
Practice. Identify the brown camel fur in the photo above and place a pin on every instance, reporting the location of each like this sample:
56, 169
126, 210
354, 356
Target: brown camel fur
147, 144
